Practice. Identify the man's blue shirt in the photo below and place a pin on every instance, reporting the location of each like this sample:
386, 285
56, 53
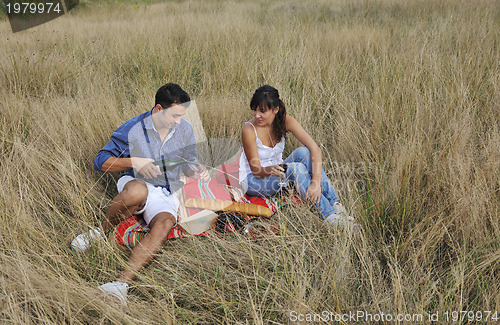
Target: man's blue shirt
138, 138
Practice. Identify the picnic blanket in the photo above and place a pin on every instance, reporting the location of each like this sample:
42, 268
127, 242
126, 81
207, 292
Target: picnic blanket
223, 187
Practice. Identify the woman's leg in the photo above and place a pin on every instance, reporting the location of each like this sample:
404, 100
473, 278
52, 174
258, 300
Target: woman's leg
297, 172
262, 187
303, 155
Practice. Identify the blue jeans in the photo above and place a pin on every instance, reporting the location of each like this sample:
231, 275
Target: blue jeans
299, 172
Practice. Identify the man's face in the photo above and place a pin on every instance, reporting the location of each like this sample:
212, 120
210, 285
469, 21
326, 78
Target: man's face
168, 117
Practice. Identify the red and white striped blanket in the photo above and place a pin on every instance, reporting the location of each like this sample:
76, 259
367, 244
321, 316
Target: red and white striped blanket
224, 187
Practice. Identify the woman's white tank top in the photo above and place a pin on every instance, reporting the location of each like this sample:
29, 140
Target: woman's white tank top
268, 155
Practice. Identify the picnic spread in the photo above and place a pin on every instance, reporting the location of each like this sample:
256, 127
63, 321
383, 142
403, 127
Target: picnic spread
209, 208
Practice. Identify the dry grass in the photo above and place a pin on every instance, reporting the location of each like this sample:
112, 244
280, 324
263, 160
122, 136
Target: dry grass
403, 96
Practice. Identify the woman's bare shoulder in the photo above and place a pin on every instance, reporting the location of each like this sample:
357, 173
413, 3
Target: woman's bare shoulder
290, 123
248, 129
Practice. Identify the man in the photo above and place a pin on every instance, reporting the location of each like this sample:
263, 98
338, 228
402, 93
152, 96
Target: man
157, 135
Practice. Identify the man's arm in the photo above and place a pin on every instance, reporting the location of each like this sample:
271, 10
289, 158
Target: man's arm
115, 156
114, 164
117, 148
144, 166
190, 152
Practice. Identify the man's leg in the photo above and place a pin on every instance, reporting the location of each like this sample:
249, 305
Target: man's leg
159, 213
142, 253
131, 199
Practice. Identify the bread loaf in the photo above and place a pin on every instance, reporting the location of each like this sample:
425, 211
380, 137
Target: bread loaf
229, 206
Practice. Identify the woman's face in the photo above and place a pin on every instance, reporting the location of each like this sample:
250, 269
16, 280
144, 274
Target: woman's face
264, 116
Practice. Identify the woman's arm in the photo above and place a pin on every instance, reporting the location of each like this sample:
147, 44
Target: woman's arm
314, 191
249, 141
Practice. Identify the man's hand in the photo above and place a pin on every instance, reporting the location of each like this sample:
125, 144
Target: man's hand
145, 167
313, 193
201, 173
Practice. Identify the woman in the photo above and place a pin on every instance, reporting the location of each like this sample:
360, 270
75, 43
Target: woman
263, 139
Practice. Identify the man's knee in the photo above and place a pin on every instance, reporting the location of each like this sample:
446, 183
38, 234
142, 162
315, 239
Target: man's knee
162, 223
134, 193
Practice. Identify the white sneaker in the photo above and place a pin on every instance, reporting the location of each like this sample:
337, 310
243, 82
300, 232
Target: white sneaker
116, 289
340, 218
82, 242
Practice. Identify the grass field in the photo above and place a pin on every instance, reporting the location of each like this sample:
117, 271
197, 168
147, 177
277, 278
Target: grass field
402, 96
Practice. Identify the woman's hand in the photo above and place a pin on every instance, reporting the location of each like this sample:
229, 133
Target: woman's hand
145, 167
275, 170
313, 193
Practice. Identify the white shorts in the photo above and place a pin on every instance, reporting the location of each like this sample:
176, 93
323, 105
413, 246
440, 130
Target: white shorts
156, 201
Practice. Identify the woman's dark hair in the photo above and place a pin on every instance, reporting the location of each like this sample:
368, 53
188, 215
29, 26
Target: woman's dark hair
171, 94
268, 97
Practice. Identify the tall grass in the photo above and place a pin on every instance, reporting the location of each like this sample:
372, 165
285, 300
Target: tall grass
402, 96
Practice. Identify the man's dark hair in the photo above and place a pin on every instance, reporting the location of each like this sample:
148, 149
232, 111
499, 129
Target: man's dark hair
171, 94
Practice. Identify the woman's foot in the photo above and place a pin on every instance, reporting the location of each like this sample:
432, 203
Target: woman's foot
340, 218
